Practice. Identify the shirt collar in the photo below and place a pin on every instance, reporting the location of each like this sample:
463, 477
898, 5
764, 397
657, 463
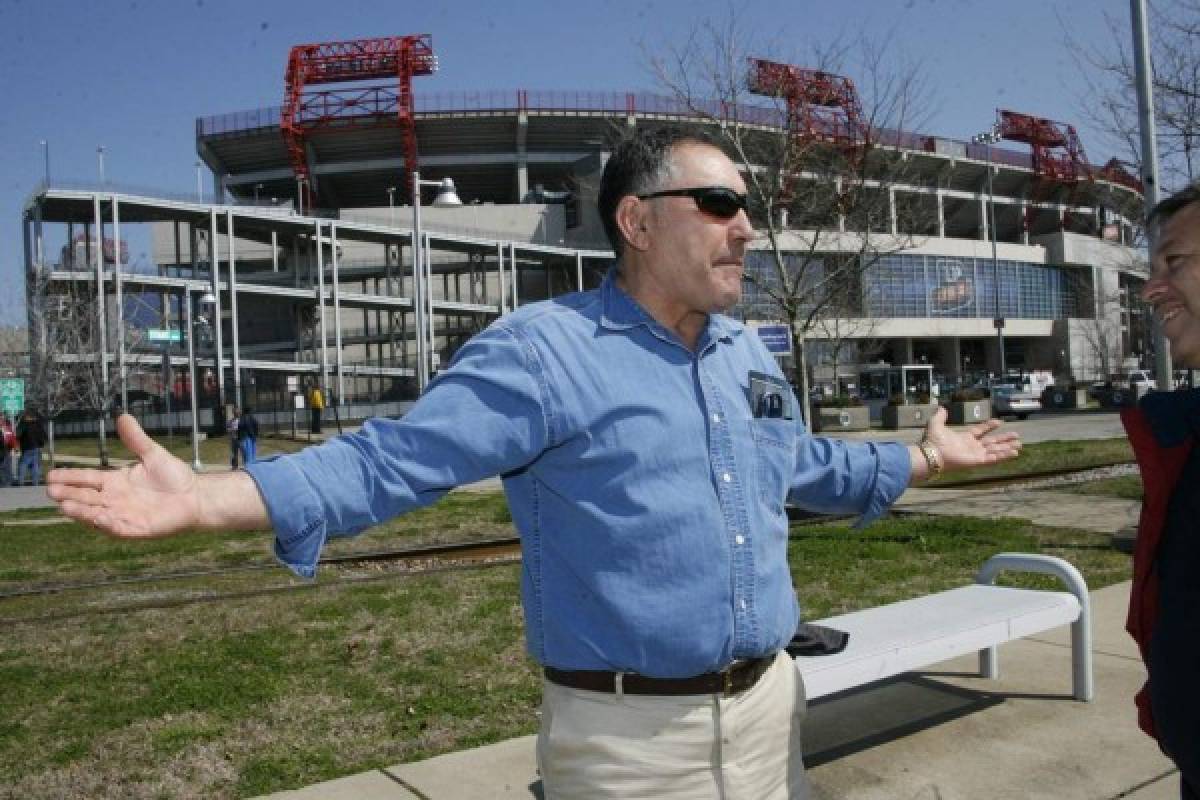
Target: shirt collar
1173, 416
619, 311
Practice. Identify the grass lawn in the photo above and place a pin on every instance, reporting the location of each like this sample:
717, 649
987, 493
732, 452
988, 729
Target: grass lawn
1127, 486
362, 669
1052, 455
66, 553
212, 451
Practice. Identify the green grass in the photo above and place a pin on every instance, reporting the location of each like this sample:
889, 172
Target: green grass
1052, 455
68, 552
1126, 486
363, 668
214, 450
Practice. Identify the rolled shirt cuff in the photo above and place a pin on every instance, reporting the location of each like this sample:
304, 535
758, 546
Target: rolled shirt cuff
296, 514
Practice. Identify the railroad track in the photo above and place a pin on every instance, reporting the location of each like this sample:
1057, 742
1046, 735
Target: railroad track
488, 549
1044, 478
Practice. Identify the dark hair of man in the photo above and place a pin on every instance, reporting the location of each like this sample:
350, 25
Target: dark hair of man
638, 164
1174, 204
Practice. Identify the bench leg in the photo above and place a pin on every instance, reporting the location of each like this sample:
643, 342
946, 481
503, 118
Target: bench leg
989, 663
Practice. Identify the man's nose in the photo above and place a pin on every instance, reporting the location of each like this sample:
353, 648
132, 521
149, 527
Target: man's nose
741, 228
1154, 289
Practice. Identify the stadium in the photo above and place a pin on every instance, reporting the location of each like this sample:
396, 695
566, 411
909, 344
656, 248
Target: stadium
305, 258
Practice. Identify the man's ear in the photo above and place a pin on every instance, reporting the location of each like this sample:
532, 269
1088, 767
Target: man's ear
631, 220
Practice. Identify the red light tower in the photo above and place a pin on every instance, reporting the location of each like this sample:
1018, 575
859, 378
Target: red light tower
394, 59
821, 106
1058, 157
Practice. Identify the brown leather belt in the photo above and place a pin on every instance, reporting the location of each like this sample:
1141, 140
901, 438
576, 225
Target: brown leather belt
737, 678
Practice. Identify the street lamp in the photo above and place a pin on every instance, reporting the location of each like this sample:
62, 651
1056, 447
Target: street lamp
987, 139
422, 277
208, 300
100, 158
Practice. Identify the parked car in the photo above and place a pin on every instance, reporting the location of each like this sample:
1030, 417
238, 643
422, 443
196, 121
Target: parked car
1140, 381
1008, 399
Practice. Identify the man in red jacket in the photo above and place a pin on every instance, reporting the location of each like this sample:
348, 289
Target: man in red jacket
1164, 609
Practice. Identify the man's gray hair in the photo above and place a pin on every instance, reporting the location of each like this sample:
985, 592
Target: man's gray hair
641, 163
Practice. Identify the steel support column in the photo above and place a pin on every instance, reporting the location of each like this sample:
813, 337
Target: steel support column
337, 316
122, 376
238, 400
101, 310
214, 271
324, 380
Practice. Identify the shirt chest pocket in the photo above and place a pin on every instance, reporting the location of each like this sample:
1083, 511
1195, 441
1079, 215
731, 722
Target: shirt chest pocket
774, 457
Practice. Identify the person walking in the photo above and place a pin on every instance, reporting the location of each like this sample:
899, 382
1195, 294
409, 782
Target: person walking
8, 445
247, 436
232, 425
648, 445
31, 438
316, 405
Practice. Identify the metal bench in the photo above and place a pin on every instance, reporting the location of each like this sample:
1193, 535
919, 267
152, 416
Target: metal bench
911, 634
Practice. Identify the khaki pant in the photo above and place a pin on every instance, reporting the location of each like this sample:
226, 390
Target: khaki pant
698, 747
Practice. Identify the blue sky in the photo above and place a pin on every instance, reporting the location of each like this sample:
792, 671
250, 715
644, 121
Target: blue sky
133, 75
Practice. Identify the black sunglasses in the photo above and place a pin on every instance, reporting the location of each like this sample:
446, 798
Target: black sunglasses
719, 201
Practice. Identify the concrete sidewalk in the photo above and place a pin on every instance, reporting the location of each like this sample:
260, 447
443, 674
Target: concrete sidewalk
942, 734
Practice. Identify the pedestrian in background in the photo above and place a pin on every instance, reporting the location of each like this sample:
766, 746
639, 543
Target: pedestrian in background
316, 404
247, 436
231, 428
31, 438
8, 445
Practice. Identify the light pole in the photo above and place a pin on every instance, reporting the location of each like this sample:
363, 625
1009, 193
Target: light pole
46, 157
987, 139
100, 158
391, 193
446, 197
206, 299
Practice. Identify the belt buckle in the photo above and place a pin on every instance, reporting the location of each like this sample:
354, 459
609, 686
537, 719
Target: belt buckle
728, 682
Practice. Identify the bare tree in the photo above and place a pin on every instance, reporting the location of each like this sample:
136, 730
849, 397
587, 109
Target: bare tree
821, 189
846, 327
1102, 335
66, 370
1110, 99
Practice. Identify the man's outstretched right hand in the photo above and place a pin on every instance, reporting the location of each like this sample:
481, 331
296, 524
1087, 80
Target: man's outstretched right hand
158, 496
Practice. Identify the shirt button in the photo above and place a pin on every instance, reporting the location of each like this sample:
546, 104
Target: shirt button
716, 417
725, 476
740, 539
742, 604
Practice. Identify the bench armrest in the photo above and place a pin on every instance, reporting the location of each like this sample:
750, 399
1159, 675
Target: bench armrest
1081, 629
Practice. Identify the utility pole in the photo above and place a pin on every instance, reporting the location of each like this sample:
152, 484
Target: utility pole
1145, 96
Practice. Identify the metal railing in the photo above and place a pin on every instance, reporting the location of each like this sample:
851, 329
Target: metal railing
514, 100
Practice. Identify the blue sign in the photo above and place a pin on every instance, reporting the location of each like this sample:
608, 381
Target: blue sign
777, 338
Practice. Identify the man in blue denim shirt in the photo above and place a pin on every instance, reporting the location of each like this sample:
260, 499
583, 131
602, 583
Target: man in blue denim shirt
648, 445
